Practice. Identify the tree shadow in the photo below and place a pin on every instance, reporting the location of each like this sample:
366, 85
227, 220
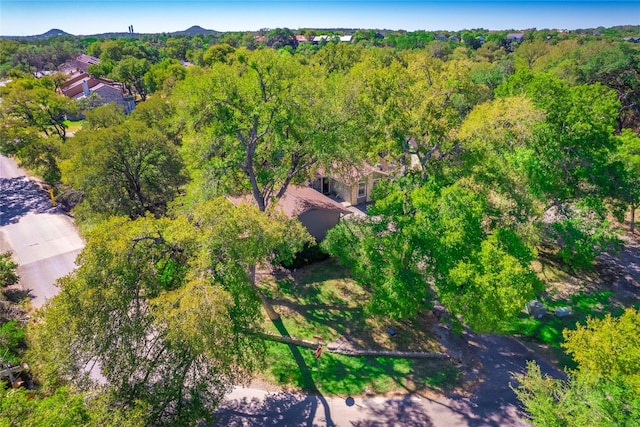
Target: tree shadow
274, 410
494, 403
405, 412
308, 383
16, 295
20, 197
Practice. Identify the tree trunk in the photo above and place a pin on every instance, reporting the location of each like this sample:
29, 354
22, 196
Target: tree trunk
271, 312
632, 226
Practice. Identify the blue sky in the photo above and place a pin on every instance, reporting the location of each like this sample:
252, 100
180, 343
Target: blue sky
29, 17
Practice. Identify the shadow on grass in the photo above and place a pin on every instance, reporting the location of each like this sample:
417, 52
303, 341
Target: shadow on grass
549, 328
346, 375
343, 320
307, 381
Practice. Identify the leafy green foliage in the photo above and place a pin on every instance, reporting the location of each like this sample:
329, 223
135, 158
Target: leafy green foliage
8, 268
131, 72
608, 348
33, 116
482, 277
130, 309
12, 336
628, 155
603, 390
60, 409
164, 305
581, 240
123, 168
163, 76
257, 124
577, 402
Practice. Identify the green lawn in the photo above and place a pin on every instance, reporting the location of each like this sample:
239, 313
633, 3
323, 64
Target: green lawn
548, 329
73, 126
322, 300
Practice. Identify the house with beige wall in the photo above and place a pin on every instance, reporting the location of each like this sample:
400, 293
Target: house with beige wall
353, 185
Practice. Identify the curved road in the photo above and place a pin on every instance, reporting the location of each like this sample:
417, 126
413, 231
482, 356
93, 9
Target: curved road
44, 241
45, 244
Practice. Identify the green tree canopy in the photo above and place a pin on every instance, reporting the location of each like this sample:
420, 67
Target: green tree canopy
126, 167
604, 390
166, 310
258, 124
423, 234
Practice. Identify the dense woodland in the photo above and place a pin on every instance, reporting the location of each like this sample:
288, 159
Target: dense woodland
505, 153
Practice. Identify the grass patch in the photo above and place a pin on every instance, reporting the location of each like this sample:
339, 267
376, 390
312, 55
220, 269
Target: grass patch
321, 300
73, 126
341, 375
548, 329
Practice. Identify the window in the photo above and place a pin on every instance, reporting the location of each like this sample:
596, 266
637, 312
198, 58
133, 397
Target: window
362, 189
326, 189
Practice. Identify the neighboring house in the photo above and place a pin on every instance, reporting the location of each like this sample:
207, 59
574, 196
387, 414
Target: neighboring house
81, 84
632, 39
301, 39
441, 37
353, 185
318, 39
515, 37
80, 63
318, 213
326, 38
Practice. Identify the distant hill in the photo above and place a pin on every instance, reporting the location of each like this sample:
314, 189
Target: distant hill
54, 32
192, 31
196, 30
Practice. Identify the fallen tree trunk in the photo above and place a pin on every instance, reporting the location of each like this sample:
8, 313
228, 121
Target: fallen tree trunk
333, 348
10, 371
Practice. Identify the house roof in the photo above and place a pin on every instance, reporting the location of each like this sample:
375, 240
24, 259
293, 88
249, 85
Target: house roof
87, 59
515, 36
298, 200
80, 62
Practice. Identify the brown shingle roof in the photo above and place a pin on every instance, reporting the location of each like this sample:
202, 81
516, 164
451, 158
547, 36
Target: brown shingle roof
298, 200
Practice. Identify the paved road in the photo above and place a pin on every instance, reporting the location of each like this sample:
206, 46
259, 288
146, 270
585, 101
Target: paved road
44, 241
251, 407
